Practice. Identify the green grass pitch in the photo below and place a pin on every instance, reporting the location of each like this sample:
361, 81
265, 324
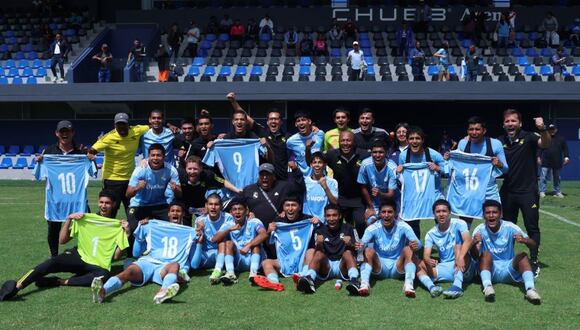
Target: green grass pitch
201, 306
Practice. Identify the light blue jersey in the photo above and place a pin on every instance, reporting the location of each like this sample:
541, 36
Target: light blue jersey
297, 146
384, 179
244, 235
165, 139
237, 159
157, 190
389, 244
446, 241
315, 199
418, 191
444, 61
500, 244
162, 242
291, 241
67, 177
469, 185
210, 228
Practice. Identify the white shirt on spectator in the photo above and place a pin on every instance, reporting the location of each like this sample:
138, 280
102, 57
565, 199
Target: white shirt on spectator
193, 35
356, 59
57, 49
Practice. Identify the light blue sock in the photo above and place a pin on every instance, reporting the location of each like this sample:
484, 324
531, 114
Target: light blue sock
273, 277
196, 259
485, 278
365, 272
229, 260
528, 277
112, 285
254, 262
426, 281
304, 270
219, 261
169, 279
352, 273
311, 273
458, 279
410, 270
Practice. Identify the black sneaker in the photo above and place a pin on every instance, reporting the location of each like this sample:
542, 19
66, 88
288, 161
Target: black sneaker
535, 268
47, 282
353, 287
306, 285
8, 290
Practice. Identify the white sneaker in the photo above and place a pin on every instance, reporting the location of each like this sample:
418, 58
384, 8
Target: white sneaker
171, 292
489, 293
55, 79
61, 80
533, 297
96, 287
559, 195
409, 290
184, 276
542, 195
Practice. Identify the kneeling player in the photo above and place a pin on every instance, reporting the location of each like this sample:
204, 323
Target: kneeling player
392, 253
495, 240
242, 240
207, 253
100, 238
334, 256
164, 249
453, 241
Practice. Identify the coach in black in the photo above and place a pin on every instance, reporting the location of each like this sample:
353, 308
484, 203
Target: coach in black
520, 187
345, 163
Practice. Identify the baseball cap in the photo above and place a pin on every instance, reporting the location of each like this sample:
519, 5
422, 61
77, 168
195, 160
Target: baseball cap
355, 43
121, 117
267, 167
552, 126
64, 124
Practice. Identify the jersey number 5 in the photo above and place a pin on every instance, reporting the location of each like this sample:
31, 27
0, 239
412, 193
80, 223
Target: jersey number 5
296, 241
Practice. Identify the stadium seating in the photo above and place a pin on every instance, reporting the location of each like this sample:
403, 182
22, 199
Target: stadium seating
6, 163
21, 163
2, 150
13, 150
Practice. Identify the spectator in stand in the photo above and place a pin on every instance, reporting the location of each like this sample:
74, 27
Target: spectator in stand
443, 56
59, 51
502, 31
511, 17
417, 60
162, 57
422, 17
212, 26
306, 45
558, 60
550, 26
174, 39
266, 25
225, 24
320, 47
105, 58
252, 30
290, 38
472, 63
575, 33
400, 144
193, 37
138, 54
355, 61
350, 30
552, 159
404, 39
335, 33
237, 31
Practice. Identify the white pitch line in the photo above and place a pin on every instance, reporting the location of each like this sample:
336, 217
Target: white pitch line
561, 218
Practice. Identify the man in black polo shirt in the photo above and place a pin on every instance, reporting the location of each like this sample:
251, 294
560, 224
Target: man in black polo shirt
277, 140
204, 127
65, 146
345, 163
183, 141
520, 187
366, 133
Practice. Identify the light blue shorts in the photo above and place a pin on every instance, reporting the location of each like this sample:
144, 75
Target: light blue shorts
504, 272
242, 262
389, 269
151, 272
446, 271
333, 271
208, 259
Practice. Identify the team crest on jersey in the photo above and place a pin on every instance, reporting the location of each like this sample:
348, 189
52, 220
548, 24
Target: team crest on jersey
358, 162
276, 194
255, 195
283, 139
338, 163
131, 210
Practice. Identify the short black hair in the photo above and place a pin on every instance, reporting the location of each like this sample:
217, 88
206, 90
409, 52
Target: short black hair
476, 120
291, 198
177, 203
332, 207
214, 196
389, 202
491, 203
156, 146
441, 202
187, 120
341, 109
318, 155
238, 111
156, 111
301, 113
378, 143
416, 130
109, 194
510, 112
237, 201
204, 116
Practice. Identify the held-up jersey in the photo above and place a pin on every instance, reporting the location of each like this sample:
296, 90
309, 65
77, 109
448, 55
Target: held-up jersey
297, 146
384, 179
389, 244
469, 182
162, 242
67, 177
246, 234
237, 159
418, 191
98, 237
157, 190
446, 241
292, 240
210, 228
165, 139
316, 199
500, 244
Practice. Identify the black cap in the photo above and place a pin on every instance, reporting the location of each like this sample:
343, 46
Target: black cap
122, 117
64, 124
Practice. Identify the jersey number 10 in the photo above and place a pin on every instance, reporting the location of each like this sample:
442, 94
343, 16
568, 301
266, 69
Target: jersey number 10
67, 183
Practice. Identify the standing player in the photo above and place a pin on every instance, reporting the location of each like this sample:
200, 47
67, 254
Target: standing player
366, 133
341, 117
206, 136
520, 186
321, 190
495, 240
334, 257
297, 143
392, 255
164, 249
158, 134
100, 239
242, 240
453, 241
207, 253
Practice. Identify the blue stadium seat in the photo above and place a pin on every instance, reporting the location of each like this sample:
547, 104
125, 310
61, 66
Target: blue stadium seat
36, 64
9, 34
576, 70
530, 70
371, 70
3, 48
226, 71
18, 56
517, 52
17, 81
335, 52
27, 150
520, 36
209, 70
546, 70
533, 36
547, 52
365, 44
466, 43
210, 37
224, 37
193, 71
370, 61
256, 70
27, 72
523, 61
13, 72
205, 44
532, 52
241, 70
304, 70
48, 63
3, 80
41, 72
9, 64
452, 70
21, 163
32, 56
363, 36
305, 60
6, 163
32, 163
432, 70
2, 149
198, 61
23, 64
13, 150
28, 47
41, 148
265, 37
31, 80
